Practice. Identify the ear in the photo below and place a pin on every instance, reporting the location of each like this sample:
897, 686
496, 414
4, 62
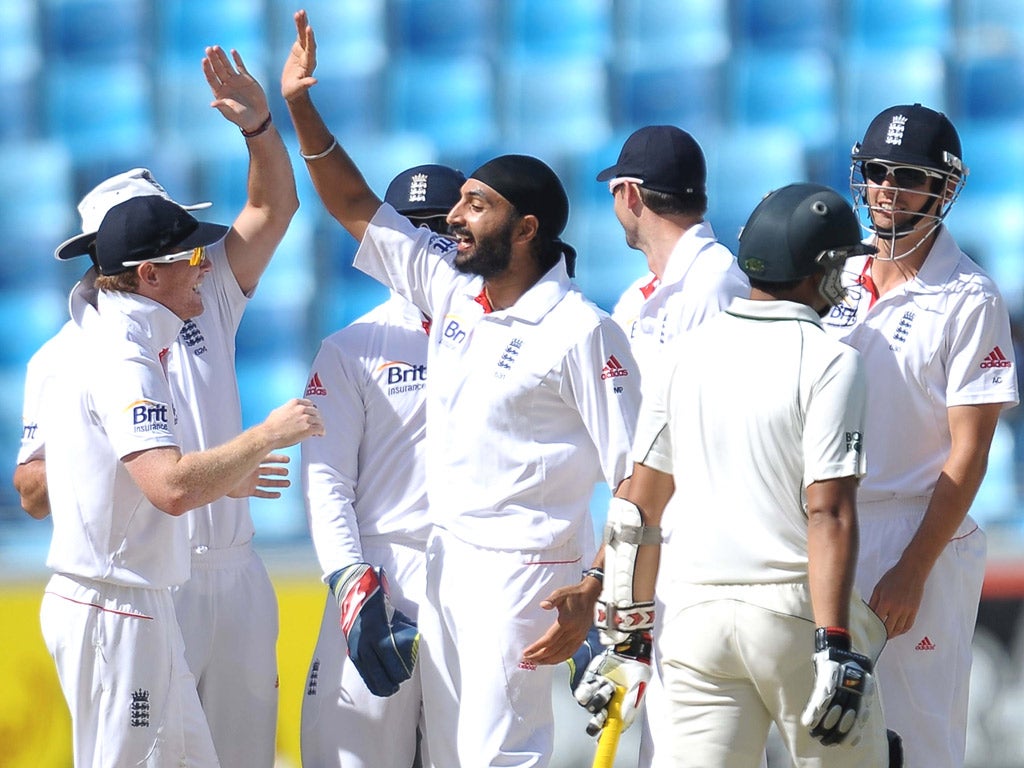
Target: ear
148, 274
526, 228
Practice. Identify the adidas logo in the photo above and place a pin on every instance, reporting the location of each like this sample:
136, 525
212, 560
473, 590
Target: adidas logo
612, 369
996, 359
925, 645
315, 386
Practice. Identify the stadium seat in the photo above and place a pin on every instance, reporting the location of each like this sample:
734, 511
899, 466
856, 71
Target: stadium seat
671, 32
887, 27
449, 100
605, 265
988, 87
654, 93
565, 29
435, 28
991, 23
989, 227
784, 23
30, 317
99, 110
95, 31
745, 164
794, 88
555, 106
37, 210
184, 29
20, 60
872, 82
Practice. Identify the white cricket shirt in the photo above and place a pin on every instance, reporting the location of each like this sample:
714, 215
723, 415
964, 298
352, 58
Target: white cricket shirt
939, 340
527, 407
201, 368
752, 407
111, 398
366, 477
700, 279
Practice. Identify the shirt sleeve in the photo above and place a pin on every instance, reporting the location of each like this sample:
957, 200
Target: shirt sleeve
653, 444
133, 401
834, 420
606, 396
330, 464
412, 261
981, 365
228, 300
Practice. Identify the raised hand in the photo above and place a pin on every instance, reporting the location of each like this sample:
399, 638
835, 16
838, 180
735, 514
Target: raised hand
236, 94
297, 75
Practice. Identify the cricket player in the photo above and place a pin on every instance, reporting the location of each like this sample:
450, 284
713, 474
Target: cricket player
531, 399
366, 501
119, 487
659, 194
761, 620
934, 333
237, 682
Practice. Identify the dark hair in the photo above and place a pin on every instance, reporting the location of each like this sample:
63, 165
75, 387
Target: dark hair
547, 252
665, 203
774, 288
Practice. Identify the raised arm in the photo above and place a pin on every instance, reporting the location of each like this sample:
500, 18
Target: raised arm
272, 197
341, 186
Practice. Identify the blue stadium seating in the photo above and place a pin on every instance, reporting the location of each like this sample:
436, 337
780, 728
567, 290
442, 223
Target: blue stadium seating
988, 87
29, 318
437, 28
671, 32
745, 164
784, 23
873, 82
605, 265
99, 110
989, 227
994, 23
185, 28
888, 27
570, 28
20, 60
687, 95
793, 88
95, 31
555, 106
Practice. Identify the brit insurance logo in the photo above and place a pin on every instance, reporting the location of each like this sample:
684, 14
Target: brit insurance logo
149, 416
399, 377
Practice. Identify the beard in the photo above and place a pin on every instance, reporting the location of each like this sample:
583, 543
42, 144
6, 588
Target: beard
491, 255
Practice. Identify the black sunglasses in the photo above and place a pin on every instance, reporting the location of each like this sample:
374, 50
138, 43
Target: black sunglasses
908, 176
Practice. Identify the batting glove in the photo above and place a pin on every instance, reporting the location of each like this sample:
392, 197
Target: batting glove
627, 666
382, 641
843, 681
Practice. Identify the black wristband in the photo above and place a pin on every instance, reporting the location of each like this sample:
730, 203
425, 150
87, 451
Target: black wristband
831, 637
597, 573
257, 131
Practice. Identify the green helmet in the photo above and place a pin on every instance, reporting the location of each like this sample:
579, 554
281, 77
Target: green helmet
796, 231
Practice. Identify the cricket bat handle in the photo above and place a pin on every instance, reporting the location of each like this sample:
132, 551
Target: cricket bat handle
608, 741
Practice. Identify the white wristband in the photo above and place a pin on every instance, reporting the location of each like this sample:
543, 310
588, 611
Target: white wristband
325, 153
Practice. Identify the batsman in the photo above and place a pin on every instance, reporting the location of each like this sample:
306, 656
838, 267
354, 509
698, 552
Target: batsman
756, 420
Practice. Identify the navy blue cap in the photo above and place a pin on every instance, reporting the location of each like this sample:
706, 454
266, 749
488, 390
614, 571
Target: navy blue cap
425, 191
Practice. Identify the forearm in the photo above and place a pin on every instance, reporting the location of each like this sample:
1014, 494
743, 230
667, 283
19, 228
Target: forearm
271, 184
832, 545
30, 483
338, 182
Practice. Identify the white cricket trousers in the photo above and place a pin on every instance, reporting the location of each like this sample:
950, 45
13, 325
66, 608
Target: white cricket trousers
925, 673
731, 667
227, 611
484, 705
343, 724
121, 664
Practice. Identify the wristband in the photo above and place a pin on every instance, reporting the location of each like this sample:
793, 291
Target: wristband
831, 637
597, 573
325, 153
257, 131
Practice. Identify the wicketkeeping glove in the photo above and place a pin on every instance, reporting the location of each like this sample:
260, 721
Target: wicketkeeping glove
382, 641
843, 681
627, 666
580, 660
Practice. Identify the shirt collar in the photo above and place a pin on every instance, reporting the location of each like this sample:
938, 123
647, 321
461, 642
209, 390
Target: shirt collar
686, 250
152, 321
540, 299
772, 310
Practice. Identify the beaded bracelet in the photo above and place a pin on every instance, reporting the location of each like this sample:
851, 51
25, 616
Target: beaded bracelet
257, 131
325, 153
